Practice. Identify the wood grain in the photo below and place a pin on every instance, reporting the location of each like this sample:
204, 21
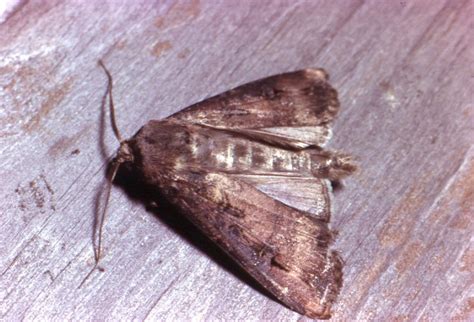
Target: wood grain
404, 71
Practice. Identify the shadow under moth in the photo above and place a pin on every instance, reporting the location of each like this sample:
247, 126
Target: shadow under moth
248, 168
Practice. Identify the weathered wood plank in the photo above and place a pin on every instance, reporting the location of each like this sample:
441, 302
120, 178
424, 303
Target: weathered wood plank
404, 74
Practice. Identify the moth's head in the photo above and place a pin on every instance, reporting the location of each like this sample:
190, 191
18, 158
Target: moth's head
124, 153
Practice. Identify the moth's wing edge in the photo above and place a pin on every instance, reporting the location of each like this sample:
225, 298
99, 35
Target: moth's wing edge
293, 99
284, 249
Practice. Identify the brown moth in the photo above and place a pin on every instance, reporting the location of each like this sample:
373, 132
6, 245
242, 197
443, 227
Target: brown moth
248, 168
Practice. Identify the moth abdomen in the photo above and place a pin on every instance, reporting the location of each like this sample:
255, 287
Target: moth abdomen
332, 165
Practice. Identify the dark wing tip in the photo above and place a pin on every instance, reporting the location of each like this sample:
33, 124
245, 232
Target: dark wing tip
331, 279
324, 98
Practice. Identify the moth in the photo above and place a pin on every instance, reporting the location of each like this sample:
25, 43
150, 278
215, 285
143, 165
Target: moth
248, 168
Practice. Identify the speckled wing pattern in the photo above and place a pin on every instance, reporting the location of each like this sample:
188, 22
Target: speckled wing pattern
250, 171
283, 248
296, 106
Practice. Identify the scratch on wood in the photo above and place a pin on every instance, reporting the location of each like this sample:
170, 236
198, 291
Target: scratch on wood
15, 259
173, 282
50, 275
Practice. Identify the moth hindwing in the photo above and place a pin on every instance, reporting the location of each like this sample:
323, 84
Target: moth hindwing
248, 168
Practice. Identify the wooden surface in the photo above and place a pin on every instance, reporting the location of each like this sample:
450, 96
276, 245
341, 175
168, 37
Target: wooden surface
404, 71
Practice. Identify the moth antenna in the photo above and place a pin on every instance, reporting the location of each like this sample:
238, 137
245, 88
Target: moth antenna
112, 173
110, 180
123, 155
111, 102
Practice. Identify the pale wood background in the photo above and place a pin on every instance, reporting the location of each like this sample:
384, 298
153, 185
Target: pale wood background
404, 71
